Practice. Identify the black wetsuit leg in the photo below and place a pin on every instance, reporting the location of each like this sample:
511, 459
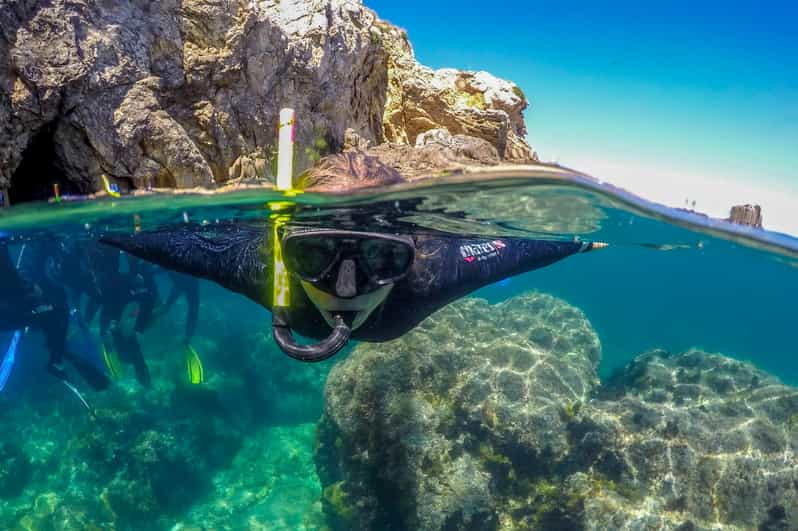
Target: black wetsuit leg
130, 288
146, 306
92, 307
192, 301
129, 351
187, 287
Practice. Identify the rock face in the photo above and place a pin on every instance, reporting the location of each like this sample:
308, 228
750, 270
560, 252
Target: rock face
436, 151
188, 93
750, 215
490, 417
470, 103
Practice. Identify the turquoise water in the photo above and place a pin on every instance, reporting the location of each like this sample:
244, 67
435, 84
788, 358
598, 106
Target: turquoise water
246, 449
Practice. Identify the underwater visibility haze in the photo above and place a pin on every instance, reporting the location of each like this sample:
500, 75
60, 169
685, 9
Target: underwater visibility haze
646, 384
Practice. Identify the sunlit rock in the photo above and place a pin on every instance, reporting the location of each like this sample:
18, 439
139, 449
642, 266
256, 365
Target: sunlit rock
490, 417
692, 441
182, 94
434, 430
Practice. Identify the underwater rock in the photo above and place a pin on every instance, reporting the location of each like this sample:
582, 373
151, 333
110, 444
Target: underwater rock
750, 215
182, 94
429, 431
489, 417
696, 440
15, 471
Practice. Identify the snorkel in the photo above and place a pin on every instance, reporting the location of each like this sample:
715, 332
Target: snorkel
281, 294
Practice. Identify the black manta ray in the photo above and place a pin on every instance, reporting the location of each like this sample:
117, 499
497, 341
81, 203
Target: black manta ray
342, 284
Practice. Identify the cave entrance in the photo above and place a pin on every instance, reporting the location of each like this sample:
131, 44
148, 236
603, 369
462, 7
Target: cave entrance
39, 170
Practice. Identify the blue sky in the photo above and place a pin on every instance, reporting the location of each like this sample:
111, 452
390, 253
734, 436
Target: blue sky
675, 100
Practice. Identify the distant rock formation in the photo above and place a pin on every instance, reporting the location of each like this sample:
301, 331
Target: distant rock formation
497, 421
182, 94
750, 215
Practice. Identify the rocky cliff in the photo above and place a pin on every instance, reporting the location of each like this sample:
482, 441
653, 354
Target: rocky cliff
187, 93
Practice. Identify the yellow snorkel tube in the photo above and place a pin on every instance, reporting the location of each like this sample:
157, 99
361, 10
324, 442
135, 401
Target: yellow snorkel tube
281, 286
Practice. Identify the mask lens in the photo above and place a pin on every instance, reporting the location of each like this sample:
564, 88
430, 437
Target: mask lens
385, 259
309, 257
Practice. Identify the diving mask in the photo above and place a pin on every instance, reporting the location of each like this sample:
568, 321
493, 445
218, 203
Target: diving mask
318, 256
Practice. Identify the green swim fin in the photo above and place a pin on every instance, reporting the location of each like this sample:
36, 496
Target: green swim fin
112, 362
194, 370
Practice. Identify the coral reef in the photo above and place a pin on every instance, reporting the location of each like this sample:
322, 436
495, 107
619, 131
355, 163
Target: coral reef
182, 94
490, 417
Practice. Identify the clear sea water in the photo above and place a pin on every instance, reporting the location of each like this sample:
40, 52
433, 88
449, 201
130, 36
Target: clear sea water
244, 459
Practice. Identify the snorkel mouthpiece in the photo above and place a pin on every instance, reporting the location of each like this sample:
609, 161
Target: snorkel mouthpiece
309, 353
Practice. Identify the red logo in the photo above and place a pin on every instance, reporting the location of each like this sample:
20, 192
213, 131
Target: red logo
469, 259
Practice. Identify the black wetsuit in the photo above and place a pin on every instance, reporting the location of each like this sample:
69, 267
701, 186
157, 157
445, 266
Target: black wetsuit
109, 292
187, 287
445, 268
24, 303
32, 298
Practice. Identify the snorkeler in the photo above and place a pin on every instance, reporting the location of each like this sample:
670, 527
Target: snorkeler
110, 293
187, 287
344, 283
32, 300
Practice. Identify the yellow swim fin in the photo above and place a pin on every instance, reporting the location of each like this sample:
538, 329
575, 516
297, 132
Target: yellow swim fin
112, 362
194, 370
111, 189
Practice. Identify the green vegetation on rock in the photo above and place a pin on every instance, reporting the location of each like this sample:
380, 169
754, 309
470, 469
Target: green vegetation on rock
337, 499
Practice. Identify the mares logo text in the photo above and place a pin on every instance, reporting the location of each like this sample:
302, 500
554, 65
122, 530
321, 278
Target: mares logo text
477, 252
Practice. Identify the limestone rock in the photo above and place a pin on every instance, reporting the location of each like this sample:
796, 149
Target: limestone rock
750, 215
188, 93
471, 103
436, 152
416, 431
